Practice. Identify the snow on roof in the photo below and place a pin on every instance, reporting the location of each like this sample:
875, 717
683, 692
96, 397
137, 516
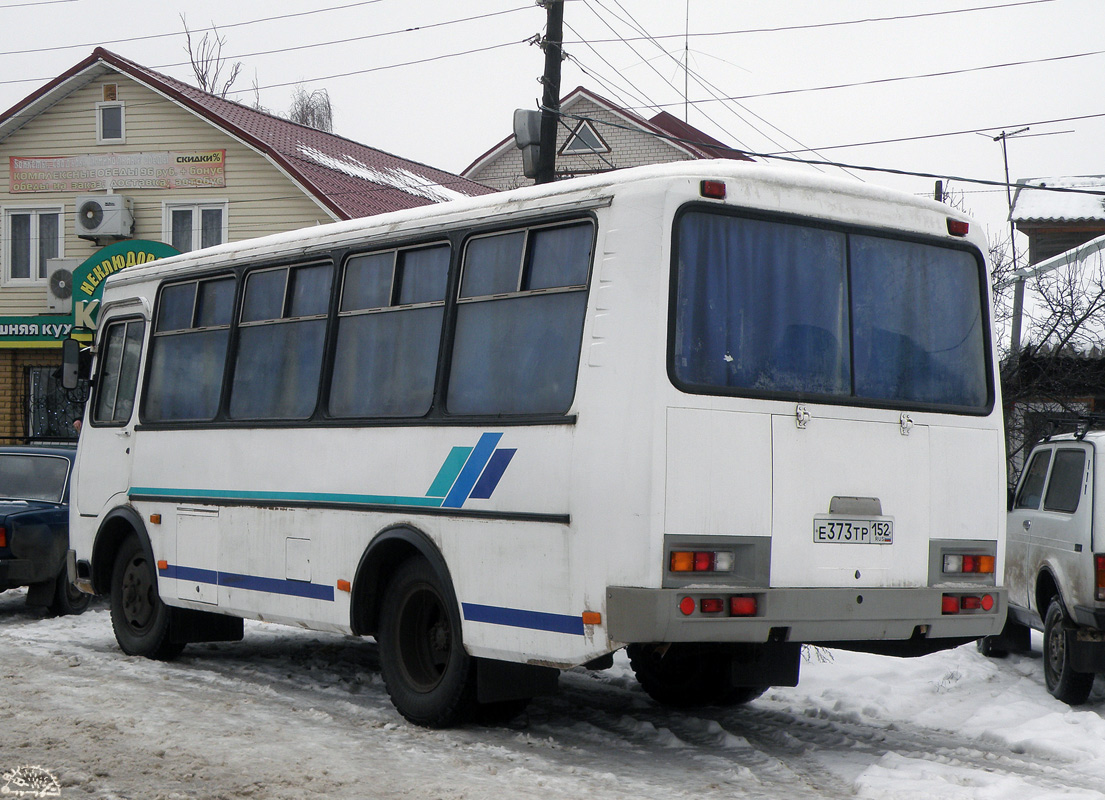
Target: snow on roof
1071, 199
350, 179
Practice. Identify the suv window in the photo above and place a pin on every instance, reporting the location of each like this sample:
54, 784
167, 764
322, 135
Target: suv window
1032, 487
1065, 486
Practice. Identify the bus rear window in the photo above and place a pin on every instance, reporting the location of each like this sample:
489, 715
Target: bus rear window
765, 307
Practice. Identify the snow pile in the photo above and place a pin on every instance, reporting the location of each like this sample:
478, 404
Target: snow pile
396, 178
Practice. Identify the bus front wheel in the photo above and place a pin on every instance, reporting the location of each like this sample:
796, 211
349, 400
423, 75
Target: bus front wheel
429, 676
139, 618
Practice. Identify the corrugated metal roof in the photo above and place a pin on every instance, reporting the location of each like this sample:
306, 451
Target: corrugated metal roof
351, 179
1070, 199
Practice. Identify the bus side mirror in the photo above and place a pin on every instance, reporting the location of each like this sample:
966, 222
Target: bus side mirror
71, 364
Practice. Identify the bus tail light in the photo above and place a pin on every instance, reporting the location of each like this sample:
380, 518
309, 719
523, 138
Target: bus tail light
701, 561
1099, 568
742, 606
954, 603
711, 605
957, 564
4, 537
735, 606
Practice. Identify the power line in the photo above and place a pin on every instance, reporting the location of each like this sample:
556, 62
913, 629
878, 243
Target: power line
875, 81
37, 3
814, 26
862, 167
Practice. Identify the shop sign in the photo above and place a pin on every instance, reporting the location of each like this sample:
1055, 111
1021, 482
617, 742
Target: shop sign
175, 169
49, 330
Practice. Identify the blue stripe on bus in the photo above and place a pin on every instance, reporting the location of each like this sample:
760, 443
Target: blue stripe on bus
491, 474
472, 470
519, 618
198, 495
254, 583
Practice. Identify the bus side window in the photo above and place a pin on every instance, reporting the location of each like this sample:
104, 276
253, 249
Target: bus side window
520, 321
281, 333
118, 379
389, 329
188, 350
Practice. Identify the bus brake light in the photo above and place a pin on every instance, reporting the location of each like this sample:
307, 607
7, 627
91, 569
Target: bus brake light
957, 227
1099, 568
712, 189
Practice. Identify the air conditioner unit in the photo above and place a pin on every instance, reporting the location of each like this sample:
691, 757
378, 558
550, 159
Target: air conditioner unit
104, 215
59, 284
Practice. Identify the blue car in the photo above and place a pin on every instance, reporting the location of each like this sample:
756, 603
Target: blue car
34, 526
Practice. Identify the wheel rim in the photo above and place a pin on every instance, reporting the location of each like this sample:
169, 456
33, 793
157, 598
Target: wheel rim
1056, 652
425, 638
138, 607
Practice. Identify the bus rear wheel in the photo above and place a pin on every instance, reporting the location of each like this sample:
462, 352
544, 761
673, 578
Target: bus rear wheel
139, 618
684, 675
429, 676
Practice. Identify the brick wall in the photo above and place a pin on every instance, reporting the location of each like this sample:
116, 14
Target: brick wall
13, 387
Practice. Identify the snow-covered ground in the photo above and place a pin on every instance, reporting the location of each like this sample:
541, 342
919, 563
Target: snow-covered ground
294, 714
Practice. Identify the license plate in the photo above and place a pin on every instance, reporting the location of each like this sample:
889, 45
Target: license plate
854, 530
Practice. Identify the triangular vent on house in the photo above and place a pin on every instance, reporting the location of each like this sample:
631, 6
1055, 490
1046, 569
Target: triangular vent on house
584, 139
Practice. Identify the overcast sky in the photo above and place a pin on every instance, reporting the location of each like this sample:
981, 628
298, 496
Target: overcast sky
923, 86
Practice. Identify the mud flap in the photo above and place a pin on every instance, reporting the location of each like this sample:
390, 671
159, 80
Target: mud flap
771, 664
505, 680
187, 625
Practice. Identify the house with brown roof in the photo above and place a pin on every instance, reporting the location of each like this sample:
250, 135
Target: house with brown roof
595, 135
1059, 214
112, 164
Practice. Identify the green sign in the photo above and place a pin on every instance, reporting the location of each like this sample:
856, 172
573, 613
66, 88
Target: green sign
49, 330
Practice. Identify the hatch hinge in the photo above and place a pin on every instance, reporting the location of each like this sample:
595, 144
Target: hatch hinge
801, 416
906, 423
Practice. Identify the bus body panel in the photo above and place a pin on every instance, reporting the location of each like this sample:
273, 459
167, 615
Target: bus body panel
264, 521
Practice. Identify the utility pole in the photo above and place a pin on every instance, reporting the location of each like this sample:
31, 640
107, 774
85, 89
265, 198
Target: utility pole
553, 45
1018, 286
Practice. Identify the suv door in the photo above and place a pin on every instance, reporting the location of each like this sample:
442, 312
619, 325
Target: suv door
1050, 524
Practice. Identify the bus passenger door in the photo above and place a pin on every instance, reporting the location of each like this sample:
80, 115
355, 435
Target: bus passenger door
105, 445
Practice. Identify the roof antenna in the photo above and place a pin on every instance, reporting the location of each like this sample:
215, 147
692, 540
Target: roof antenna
687, 65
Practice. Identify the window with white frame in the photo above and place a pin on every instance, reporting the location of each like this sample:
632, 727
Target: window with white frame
111, 125
195, 225
31, 236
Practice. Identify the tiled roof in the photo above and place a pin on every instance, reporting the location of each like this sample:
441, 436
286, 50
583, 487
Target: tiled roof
351, 179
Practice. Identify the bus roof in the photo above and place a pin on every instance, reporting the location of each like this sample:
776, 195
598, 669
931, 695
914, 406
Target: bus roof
584, 192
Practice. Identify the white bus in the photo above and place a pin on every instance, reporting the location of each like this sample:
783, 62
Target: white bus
708, 411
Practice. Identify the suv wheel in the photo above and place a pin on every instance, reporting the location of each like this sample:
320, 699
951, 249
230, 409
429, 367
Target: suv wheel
1062, 680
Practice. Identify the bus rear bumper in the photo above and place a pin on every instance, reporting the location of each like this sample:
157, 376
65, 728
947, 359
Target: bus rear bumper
850, 617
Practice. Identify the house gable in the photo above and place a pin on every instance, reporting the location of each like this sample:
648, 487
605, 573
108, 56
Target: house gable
628, 141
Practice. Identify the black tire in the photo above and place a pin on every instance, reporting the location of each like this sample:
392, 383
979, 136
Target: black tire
429, 676
139, 618
686, 675
68, 599
1063, 682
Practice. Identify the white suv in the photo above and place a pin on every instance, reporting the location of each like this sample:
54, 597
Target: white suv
1055, 563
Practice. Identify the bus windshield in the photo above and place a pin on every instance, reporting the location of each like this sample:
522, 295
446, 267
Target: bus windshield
767, 307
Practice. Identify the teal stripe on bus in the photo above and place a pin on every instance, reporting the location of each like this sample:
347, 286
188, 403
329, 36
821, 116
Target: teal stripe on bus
142, 492
447, 475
